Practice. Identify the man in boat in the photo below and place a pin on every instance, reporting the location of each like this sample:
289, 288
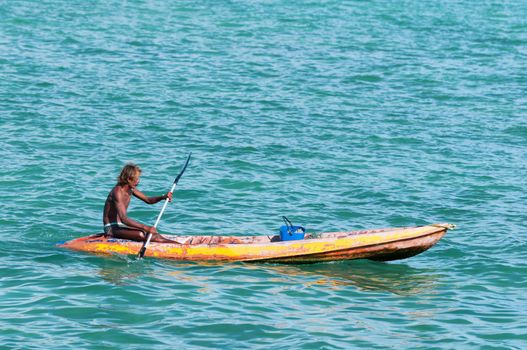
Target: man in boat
116, 222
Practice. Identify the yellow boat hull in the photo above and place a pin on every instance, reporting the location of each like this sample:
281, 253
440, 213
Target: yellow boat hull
378, 244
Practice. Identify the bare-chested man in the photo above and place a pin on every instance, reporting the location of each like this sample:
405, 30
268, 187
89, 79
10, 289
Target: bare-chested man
116, 222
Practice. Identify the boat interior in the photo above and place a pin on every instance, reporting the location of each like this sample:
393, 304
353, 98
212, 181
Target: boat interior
209, 240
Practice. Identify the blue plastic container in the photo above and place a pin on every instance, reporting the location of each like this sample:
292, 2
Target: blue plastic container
292, 233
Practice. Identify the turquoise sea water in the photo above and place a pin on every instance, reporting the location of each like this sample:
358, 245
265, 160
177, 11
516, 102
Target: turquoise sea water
339, 114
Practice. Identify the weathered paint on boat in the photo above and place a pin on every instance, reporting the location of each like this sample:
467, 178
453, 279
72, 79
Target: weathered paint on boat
377, 244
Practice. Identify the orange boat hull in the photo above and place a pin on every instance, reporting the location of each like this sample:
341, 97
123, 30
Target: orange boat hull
379, 244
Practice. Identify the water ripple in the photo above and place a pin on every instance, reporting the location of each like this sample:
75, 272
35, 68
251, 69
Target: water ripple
338, 114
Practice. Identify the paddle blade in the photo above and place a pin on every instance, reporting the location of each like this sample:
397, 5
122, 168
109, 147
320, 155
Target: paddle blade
142, 252
183, 170
143, 248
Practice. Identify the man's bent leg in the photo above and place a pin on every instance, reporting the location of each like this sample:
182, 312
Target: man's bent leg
129, 233
138, 235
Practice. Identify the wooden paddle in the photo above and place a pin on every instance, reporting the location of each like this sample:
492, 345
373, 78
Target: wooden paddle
145, 245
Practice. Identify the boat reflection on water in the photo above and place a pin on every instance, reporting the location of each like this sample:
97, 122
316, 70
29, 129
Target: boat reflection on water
366, 275
122, 270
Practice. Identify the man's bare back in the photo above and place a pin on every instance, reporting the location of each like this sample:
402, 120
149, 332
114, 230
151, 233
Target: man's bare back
115, 219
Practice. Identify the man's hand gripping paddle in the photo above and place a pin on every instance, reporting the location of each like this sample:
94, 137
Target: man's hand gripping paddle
145, 245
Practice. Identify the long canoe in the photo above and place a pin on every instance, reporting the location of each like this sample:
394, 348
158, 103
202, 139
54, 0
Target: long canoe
376, 244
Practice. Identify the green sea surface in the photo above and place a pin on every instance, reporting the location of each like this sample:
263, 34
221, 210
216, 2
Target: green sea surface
338, 114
